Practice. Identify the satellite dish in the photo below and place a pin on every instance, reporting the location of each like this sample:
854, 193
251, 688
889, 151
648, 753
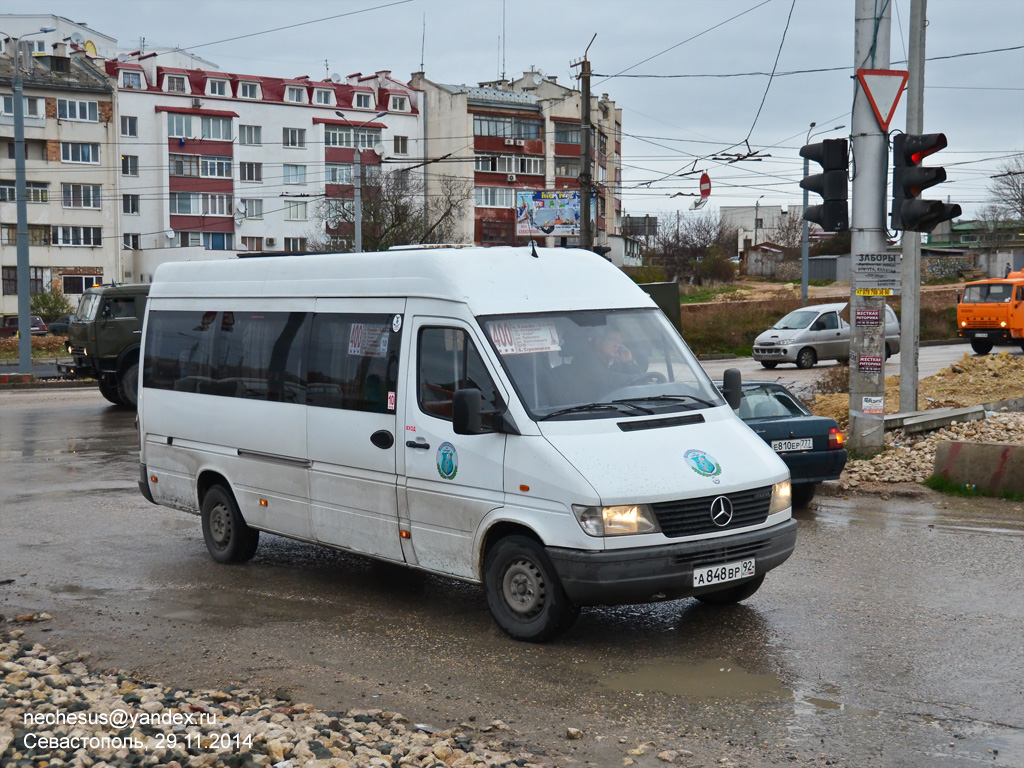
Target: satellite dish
169, 234
122, 57
77, 38
335, 77
240, 206
537, 79
379, 149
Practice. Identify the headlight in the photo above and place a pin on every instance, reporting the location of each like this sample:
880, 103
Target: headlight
782, 497
784, 342
621, 520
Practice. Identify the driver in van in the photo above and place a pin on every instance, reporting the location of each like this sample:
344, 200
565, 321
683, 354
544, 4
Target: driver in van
606, 364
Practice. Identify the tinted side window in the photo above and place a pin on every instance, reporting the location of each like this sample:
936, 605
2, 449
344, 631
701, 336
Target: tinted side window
353, 363
448, 360
117, 309
829, 321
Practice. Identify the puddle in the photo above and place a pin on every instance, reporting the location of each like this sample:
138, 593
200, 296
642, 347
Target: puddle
714, 679
244, 609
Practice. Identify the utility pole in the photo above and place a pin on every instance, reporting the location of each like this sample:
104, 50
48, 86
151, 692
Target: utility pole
586, 162
910, 321
868, 234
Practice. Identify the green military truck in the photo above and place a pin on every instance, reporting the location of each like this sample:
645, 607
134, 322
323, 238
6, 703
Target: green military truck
104, 338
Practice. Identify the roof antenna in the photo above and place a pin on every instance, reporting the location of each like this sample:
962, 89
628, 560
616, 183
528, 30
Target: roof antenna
533, 249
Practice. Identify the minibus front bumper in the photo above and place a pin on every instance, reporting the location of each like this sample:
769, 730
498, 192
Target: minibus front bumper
649, 574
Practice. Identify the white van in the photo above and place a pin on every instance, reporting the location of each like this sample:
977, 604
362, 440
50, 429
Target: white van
524, 419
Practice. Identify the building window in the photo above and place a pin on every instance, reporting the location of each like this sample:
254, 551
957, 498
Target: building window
401, 145
73, 152
399, 104
337, 136
295, 244
337, 210
215, 167
185, 203
567, 166
130, 204
38, 234
218, 241
83, 236
253, 207
367, 138
129, 165
35, 192
248, 91
84, 111
250, 171
179, 126
495, 197
217, 128
76, 285
217, 87
294, 137
217, 205
567, 134
508, 127
324, 97
29, 106
187, 239
131, 80
252, 243
129, 126
294, 94
295, 174
130, 241
250, 135
176, 84
364, 101
80, 195
339, 173
184, 165
295, 210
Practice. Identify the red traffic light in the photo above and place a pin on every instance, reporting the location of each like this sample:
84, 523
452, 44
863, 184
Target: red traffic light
916, 147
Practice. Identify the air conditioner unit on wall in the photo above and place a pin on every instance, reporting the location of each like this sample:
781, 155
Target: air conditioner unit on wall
270, 242
520, 143
197, 103
511, 177
509, 142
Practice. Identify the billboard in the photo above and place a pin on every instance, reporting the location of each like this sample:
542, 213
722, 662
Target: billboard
540, 213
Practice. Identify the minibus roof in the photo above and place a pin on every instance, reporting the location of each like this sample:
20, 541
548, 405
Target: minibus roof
498, 280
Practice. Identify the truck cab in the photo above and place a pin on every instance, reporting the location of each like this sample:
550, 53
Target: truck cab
992, 311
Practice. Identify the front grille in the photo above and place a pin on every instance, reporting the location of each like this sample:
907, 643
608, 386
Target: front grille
723, 554
691, 517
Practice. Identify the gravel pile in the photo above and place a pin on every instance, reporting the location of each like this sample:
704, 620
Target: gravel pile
911, 458
55, 712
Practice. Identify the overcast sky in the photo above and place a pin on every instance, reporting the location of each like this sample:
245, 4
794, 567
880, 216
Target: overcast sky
668, 122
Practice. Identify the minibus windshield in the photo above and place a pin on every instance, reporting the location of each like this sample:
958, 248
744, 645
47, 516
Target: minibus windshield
599, 364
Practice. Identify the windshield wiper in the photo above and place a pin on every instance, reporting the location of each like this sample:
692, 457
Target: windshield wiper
616, 406
702, 401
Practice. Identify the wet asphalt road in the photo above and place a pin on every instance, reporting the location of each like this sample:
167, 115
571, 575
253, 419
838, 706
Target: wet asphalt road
893, 637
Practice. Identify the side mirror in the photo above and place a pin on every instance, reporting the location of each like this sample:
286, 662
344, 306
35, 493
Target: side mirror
466, 412
958, 297
732, 387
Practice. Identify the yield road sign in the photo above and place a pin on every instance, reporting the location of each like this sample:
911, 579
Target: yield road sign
883, 87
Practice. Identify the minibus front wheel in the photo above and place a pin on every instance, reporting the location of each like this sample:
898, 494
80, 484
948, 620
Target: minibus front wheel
228, 538
523, 591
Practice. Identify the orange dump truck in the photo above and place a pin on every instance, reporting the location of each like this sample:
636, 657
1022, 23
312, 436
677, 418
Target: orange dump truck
992, 311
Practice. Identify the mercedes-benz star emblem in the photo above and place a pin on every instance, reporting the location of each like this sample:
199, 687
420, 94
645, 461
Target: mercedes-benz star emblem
721, 511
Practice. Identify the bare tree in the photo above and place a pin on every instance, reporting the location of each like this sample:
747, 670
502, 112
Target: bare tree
395, 211
1007, 190
789, 232
683, 241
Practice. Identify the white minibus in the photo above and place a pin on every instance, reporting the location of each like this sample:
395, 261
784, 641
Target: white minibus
525, 419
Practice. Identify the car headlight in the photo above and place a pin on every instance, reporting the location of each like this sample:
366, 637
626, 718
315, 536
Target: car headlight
784, 342
782, 497
620, 520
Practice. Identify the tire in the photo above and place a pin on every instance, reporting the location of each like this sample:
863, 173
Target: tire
732, 595
228, 538
888, 352
128, 384
803, 494
523, 591
110, 391
981, 346
806, 358
769, 364
844, 361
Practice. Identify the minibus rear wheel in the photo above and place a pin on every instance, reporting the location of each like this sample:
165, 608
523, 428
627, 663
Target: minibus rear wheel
228, 538
732, 595
523, 591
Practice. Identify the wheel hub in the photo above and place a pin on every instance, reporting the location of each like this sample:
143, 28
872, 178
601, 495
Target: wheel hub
220, 525
524, 588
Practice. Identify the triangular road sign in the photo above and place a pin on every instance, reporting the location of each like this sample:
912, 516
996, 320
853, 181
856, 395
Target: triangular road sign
883, 88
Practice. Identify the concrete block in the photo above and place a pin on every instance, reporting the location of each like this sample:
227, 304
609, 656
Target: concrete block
926, 421
993, 467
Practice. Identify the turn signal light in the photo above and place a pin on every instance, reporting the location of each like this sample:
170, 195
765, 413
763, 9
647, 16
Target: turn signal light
835, 439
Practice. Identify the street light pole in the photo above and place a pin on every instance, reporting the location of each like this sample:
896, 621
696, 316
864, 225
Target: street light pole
357, 181
804, 246
20, 191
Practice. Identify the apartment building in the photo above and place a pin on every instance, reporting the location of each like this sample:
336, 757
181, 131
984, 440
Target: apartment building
507, 137
216, 163
71, 184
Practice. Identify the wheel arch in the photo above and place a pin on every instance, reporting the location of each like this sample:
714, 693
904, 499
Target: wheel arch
127, 356
497, 531
206, 480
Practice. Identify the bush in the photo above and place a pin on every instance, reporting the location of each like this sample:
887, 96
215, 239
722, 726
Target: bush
50, 305
648, 274
730, 327
833, 380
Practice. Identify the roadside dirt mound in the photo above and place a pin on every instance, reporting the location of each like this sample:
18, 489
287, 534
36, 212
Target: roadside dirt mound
757, 292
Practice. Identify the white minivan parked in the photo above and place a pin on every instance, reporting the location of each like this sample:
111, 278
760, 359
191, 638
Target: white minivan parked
525, 419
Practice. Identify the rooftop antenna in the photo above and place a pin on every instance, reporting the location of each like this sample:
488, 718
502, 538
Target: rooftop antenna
502, 40
142, 45
327, 69
423, 43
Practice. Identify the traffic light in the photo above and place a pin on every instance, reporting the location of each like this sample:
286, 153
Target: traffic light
909, 212
832, 215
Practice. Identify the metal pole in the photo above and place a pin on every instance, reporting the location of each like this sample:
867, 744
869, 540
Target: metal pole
357, 193
868, 229
910, 277
804, 247
20, 191
586, 170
